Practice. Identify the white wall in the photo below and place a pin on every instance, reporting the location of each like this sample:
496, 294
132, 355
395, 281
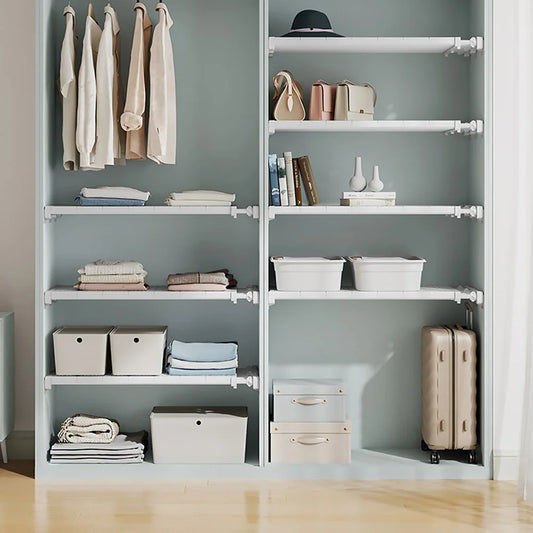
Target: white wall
17, 156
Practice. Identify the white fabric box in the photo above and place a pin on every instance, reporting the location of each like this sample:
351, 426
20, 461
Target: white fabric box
387, 273
320, 443
138, 350
309, 400
81, 351
199, 435
308, 273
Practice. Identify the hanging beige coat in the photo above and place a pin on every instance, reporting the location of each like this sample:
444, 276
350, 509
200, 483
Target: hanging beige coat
86, 123
110, 138
133, 120
162, 123
69, 90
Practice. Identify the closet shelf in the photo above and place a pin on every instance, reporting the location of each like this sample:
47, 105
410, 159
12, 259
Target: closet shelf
457, 211
52, 212
457, 295
58, 294
245, 376
376, 126
376, 45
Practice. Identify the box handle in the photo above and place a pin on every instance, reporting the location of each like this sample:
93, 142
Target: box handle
309, 401
310, 441
136, 340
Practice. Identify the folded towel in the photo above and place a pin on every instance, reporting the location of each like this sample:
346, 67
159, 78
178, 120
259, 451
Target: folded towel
112, 286
203, 351
123, 444
198, 287
81, 200
202, 195
111, 266
187, 372
199, 365
196, 203
88, 428
114, 192
116, 460
113, 278
197, 277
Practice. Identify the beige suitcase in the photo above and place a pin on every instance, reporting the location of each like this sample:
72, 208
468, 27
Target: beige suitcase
448, 390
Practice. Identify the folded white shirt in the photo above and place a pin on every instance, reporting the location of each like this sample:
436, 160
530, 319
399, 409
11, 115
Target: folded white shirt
111, 266
202, 195
114, 192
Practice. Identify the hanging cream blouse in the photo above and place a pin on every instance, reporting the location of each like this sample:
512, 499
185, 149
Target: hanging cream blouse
69, 90
162, 122
110, 138
86, 117
133, 119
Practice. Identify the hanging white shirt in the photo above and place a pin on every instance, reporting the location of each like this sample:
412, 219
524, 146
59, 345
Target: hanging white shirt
110, 138
133, 119
69, 90
86, 124
162, 124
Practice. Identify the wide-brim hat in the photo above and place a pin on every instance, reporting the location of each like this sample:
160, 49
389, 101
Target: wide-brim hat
311, 23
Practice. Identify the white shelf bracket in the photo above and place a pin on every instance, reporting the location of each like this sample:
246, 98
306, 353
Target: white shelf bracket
47, 299
251, 211
271, 47
474, 127
271, 298
271, 128
252, 296
50, 217
464, 47
470, 294
234, 297
470, 211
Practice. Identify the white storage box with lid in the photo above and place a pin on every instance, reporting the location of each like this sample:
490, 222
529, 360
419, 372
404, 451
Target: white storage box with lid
387, 273
81, 350
138, 350
305, 442
199, 434
308, 273
309, 400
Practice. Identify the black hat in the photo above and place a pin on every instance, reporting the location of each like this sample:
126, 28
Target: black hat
311, 23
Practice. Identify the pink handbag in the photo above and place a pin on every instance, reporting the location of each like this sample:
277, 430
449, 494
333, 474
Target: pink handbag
322, 104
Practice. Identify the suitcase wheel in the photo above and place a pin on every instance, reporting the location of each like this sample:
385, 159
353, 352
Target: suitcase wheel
472, 457
435, 457
424, 446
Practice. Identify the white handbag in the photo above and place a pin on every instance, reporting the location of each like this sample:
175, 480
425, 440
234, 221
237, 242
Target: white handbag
355, 101
288, 97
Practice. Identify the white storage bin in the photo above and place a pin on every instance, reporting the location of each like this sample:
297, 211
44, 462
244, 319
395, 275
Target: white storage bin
80, 351
199, 435
319, 443
138, 350
387, 273
309, 400
308, 273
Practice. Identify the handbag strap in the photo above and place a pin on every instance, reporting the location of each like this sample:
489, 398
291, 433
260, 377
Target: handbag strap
283, 79
348, 83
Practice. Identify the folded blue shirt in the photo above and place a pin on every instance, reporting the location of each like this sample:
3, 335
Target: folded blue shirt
187, 372
203, 351
81, 200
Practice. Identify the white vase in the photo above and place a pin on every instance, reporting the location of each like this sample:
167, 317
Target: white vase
358, 181
375, 184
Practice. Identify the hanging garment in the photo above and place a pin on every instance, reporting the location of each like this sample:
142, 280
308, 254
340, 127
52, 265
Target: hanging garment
86, 123
133, 119
162, 123
69, 91
110, 137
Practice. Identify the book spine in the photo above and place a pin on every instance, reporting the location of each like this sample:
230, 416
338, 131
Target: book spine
308, 180
274, 184
282, 178
369, 195
297, 184
290, 177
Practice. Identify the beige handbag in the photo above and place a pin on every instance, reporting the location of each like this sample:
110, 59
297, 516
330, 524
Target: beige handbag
322, 101
355, 101
288, 97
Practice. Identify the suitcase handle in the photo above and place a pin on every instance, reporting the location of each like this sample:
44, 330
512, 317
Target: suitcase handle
310, 441
309, 401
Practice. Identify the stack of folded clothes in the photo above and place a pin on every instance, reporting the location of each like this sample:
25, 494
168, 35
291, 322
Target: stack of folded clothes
202, 358
90, 439
217, 280
112, 196
199, 198
112, 275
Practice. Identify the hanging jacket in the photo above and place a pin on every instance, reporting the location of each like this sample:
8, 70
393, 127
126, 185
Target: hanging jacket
162, 123
110, 138
69, 90
86, 118
133, 119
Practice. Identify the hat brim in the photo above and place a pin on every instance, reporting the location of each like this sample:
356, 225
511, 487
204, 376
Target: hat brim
312, 34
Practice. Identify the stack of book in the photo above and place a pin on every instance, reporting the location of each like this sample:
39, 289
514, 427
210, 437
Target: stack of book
368, 199
285, 185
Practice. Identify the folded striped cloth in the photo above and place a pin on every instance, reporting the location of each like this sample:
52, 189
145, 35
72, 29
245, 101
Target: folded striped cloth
112, 286
111, 266
202, 195
198, 287
201, 365
88, 429
113, 278
197, 277
188, 372
203, 351
114, 192
102, 202
200, 203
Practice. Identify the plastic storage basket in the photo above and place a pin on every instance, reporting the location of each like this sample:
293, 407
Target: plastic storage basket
308, 273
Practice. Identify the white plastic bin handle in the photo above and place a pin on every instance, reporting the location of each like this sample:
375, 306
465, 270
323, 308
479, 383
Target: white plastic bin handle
310, 441
309, 401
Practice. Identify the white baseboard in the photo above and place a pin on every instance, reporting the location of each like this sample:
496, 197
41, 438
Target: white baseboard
506, 466
20, 445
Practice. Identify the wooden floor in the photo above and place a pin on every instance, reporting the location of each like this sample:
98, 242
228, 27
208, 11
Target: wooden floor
281, 507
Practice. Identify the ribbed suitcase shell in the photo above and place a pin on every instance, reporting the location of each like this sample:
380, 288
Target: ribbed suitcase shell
449, 388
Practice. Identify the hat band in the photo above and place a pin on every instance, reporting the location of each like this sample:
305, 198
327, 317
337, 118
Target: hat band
311, 30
